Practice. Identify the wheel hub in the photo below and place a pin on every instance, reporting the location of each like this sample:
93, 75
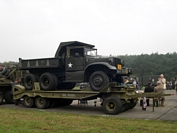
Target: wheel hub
98, 81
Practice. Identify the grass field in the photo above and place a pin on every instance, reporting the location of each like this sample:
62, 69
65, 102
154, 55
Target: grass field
25, 121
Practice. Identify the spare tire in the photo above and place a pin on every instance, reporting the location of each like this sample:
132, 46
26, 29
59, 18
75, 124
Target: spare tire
47, 81
3, 70
29, 80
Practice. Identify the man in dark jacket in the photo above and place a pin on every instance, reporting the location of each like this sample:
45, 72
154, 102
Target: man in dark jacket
149, 88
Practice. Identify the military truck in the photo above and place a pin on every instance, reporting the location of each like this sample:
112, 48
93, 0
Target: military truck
7, 75
74, 62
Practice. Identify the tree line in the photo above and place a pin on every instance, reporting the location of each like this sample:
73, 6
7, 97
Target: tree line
152, 64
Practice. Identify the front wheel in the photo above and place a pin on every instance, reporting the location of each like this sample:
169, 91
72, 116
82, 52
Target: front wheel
98, 80
112, 105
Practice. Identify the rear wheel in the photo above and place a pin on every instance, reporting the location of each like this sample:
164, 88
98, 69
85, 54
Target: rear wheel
28, 102
98, 80
29, 80
1, 98
9, 97
47, 81
112, 105
41, 103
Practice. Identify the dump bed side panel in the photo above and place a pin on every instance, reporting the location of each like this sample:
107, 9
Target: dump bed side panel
40, 63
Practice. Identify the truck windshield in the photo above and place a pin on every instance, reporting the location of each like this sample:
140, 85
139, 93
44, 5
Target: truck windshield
90, 52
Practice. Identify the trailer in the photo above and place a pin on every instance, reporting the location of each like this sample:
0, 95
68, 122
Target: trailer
116, 97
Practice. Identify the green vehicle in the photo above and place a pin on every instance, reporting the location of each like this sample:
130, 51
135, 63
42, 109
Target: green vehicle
74, 62
7, 75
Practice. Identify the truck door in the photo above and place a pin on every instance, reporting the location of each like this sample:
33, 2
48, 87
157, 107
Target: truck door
75, 59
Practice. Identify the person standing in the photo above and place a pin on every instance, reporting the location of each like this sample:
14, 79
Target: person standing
159, 89
126, 81
162, 81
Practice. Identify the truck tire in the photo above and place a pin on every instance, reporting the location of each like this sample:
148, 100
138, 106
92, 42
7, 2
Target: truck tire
41, 103
3, 70
28, 102
98, 80
1, 98
29, 80
9, 97
112, 105
47, 81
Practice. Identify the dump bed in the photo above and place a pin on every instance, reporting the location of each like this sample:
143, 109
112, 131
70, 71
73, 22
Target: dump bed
40, 63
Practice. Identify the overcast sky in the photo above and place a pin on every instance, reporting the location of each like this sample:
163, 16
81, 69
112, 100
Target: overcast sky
35, 28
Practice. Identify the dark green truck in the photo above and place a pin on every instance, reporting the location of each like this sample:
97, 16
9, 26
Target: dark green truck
74, 62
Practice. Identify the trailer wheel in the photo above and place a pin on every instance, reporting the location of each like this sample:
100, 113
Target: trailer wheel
125, 107
47, 81
1, 98
132, 104
3, 70
9, 98
28, 102
112, 105
41, 103
29, 80
98, 80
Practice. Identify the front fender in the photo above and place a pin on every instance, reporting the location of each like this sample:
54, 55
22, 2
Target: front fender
102, 64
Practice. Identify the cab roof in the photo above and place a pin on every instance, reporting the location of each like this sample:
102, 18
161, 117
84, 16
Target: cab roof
63, 45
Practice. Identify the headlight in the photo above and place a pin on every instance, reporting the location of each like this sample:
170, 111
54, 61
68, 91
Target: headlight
119, 66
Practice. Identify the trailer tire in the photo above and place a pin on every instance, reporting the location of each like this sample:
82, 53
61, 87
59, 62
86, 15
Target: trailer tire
98, 80
1, 98
41, 103
47, 81
3, 70
132, 105
28, 102
9, 98
112, 105
29, 80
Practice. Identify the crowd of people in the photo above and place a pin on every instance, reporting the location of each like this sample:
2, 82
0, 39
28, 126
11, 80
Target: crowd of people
159, 87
